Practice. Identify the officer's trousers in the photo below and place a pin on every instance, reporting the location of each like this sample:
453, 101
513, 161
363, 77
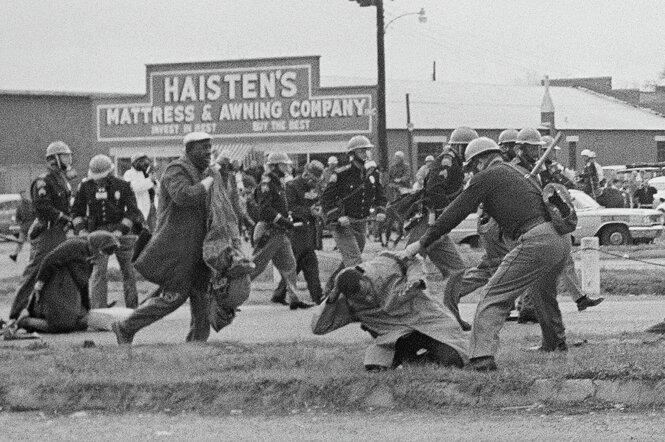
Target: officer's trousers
99, 277
441, 252
537, 261
351, 242
278, 250
568, 282
41, 246
462, 283
168, 302
307, 261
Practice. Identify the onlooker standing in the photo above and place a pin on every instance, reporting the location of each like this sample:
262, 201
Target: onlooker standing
106, 202
141, 178
173, 259
611, 196
25, 215
643, 196
422, 173
51, 194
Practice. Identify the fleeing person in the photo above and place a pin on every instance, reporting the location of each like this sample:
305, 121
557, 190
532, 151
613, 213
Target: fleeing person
106, 202
25, 215
50, 194
60, 301
390, 299
399, 176
536, 261
422, 172
173, 259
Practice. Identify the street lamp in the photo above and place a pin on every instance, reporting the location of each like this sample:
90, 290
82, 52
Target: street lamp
422, 18
381, 74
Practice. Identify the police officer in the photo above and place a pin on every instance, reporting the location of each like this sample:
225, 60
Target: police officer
303, 200
271, 232
106, 202
347, 201
50, 194
536, 261
528, 149
507, 140
443, 183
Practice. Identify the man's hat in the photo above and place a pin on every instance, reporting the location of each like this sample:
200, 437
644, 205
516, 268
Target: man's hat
195, 136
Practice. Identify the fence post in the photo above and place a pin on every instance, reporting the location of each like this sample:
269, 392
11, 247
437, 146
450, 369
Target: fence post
590, 266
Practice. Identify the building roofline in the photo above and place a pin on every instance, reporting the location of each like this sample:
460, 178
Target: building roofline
92, 95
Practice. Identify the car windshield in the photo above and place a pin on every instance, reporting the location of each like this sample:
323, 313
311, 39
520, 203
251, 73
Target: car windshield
582, 201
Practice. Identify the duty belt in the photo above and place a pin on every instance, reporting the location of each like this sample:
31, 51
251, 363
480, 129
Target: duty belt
527, 226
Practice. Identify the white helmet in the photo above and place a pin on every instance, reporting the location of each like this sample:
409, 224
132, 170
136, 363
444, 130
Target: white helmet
587, 153
358, 142
332, 160
480, 146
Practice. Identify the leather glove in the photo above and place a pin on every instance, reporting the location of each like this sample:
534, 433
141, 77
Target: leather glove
344, 221
380, 217
284, 223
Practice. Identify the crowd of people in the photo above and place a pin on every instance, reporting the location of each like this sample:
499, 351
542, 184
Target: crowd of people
183, 232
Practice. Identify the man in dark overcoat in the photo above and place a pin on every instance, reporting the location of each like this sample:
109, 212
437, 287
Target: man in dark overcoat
173, 258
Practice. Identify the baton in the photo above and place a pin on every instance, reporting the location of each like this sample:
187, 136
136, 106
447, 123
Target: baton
541, 160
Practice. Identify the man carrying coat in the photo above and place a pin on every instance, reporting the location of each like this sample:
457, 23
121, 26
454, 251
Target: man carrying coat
173, 259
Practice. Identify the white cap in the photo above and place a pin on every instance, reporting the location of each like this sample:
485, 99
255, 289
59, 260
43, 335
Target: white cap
195, 136
399, 153
429, 158
587, 153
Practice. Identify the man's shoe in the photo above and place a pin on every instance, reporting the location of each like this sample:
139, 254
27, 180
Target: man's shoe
300, 304
562, 347
279, 300
585, 302
13, 257
482, 364
120, 336
658, 328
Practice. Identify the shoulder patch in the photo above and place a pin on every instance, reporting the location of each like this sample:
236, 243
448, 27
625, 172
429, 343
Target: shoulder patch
343, 168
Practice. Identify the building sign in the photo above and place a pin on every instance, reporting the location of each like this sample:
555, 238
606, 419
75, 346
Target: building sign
263, 100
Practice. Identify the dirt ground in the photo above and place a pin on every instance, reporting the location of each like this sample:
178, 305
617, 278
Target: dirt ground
458, 425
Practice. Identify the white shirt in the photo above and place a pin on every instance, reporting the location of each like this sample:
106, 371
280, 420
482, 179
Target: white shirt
140, 185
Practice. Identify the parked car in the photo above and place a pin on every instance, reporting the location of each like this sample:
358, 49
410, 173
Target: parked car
611, 226
8, 204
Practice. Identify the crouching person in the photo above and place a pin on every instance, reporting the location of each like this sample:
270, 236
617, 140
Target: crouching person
388, 296
60, 301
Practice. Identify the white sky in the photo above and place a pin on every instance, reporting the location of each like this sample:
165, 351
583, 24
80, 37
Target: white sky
103, 46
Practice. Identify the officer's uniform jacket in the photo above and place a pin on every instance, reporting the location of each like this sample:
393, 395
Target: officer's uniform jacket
300, 201
271, 198
397, 305
352, 192
51, 194
109, 204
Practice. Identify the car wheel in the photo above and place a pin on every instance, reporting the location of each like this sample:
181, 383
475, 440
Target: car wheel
615, 236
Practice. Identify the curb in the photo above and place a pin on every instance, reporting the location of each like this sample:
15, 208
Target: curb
279, 398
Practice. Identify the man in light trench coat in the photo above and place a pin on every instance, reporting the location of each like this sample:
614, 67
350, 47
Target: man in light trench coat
389, 297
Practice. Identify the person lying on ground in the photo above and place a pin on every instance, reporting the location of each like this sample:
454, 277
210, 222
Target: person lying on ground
60, 300
389, 297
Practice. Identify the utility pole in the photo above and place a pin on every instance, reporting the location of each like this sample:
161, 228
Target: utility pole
382, 137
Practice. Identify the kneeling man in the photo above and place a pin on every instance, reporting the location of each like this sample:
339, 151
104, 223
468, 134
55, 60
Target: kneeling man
388, 296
